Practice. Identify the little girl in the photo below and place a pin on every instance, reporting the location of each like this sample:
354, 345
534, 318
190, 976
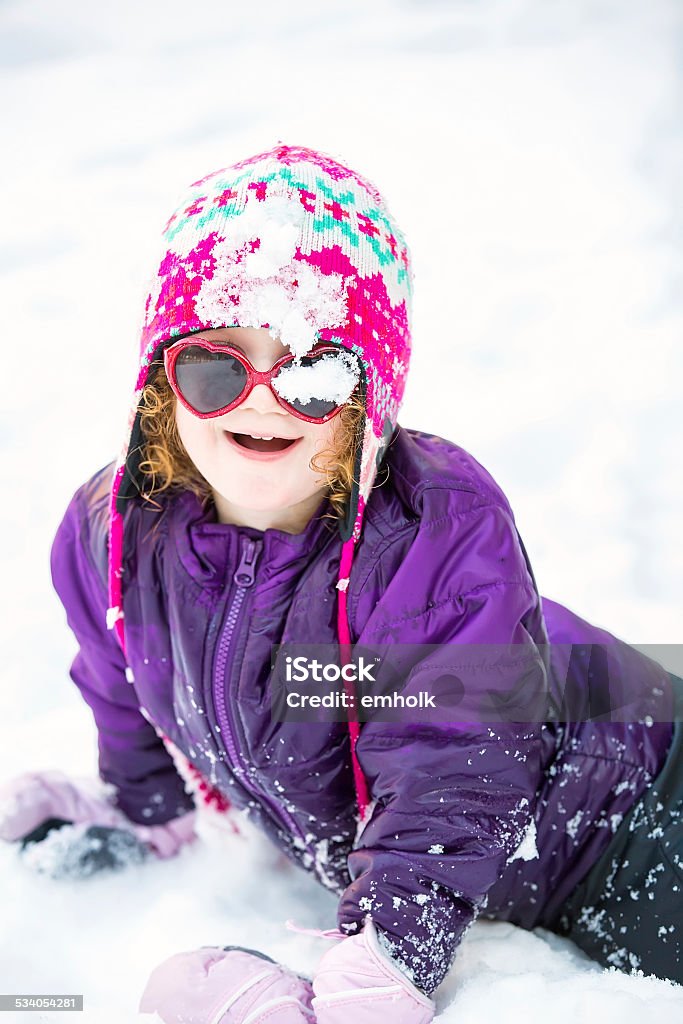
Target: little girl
265, 495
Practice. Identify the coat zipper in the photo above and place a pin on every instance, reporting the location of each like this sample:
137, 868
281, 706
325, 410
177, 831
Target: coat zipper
243, 579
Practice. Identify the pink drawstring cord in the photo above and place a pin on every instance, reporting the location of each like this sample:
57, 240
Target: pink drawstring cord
318, 933
115, 609
359, 780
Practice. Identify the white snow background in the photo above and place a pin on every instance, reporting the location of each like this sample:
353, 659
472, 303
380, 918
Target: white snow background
532, 151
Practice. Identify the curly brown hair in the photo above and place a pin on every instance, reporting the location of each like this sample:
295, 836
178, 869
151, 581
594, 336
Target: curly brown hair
166, 462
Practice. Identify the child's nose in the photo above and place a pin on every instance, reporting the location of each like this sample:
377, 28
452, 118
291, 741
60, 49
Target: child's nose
262, 399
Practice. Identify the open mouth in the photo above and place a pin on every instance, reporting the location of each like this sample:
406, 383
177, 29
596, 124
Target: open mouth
263, 445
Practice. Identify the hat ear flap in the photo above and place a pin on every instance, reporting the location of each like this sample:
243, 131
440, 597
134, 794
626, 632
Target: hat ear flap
388, 429
132, 479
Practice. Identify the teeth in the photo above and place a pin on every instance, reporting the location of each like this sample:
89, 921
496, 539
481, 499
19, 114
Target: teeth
262, 437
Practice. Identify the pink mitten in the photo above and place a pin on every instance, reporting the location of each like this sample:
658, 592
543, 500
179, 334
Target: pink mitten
226, 986
357, 981
28, 800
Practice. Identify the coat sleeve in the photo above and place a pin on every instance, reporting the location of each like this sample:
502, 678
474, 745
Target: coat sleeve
131, 757
452, 800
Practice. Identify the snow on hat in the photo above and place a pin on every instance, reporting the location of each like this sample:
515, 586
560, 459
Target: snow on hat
293, 241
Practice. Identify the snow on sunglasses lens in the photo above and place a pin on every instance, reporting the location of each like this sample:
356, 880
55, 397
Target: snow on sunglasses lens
211, 379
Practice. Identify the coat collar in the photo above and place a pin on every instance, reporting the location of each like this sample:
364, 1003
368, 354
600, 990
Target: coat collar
207, 549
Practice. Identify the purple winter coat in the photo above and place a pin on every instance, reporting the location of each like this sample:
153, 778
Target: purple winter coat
439, 562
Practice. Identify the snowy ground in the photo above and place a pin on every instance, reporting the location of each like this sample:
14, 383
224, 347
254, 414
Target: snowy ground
533, 153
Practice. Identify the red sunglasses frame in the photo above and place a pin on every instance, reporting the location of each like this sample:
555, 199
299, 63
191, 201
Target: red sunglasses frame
254, 377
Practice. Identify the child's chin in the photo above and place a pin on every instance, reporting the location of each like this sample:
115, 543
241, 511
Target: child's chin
262, 496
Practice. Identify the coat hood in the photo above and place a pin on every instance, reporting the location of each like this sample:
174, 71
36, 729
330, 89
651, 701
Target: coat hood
294, 241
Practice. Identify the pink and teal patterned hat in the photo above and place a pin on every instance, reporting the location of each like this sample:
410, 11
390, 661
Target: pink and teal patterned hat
294, 241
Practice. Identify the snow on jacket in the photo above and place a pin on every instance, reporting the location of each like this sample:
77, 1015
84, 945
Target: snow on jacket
456, 807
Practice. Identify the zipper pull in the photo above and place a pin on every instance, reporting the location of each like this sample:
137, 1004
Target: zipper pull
244, 573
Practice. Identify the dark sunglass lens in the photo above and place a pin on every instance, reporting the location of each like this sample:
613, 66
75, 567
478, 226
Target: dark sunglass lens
209, 380
316, 408
307, 401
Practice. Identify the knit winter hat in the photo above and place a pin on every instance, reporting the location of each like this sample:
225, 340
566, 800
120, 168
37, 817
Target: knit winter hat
293, 241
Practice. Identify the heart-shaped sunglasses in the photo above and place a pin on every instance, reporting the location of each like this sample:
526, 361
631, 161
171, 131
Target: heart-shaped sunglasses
211, 379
